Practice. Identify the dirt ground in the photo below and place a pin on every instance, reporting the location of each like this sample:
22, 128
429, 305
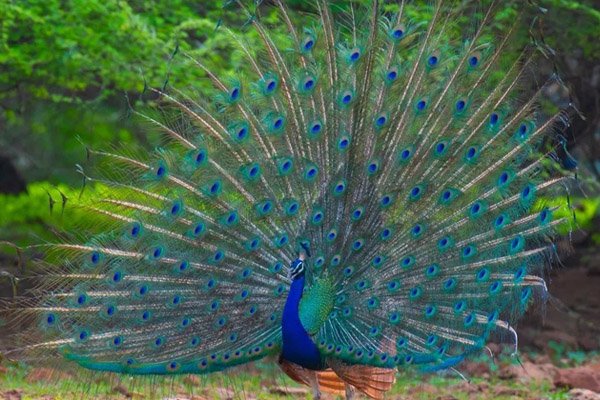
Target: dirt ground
571, 316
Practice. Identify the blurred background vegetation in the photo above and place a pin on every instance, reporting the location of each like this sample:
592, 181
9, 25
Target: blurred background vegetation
70, 68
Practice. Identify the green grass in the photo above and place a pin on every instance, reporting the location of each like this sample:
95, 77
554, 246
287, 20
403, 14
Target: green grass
261, 381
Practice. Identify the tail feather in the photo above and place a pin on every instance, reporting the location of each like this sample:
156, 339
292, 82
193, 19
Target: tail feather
372, 381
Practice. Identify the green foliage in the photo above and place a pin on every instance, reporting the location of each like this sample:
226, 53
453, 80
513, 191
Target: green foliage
67, 65
573, 26
26, 217
38, 215
582, 212
78, 50
563, 357
577, 357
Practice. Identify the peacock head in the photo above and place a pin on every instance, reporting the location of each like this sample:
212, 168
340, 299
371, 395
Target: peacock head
296, 269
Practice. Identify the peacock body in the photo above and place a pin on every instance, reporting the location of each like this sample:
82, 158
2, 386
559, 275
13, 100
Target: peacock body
366, 200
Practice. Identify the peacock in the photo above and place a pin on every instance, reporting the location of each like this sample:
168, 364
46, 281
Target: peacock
366, 196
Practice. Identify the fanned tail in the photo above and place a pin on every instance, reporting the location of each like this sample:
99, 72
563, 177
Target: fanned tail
412, 158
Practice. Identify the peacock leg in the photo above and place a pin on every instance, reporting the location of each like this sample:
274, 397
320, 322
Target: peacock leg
350, 392
314, 384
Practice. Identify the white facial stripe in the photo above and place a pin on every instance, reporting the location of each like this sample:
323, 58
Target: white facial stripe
298, 269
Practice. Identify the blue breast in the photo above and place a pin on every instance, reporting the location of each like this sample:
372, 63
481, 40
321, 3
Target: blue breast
298, 347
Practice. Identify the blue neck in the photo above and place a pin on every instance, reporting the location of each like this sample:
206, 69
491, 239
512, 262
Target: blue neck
298, 347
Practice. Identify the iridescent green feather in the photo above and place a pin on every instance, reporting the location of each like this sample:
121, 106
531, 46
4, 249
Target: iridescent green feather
316, 304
